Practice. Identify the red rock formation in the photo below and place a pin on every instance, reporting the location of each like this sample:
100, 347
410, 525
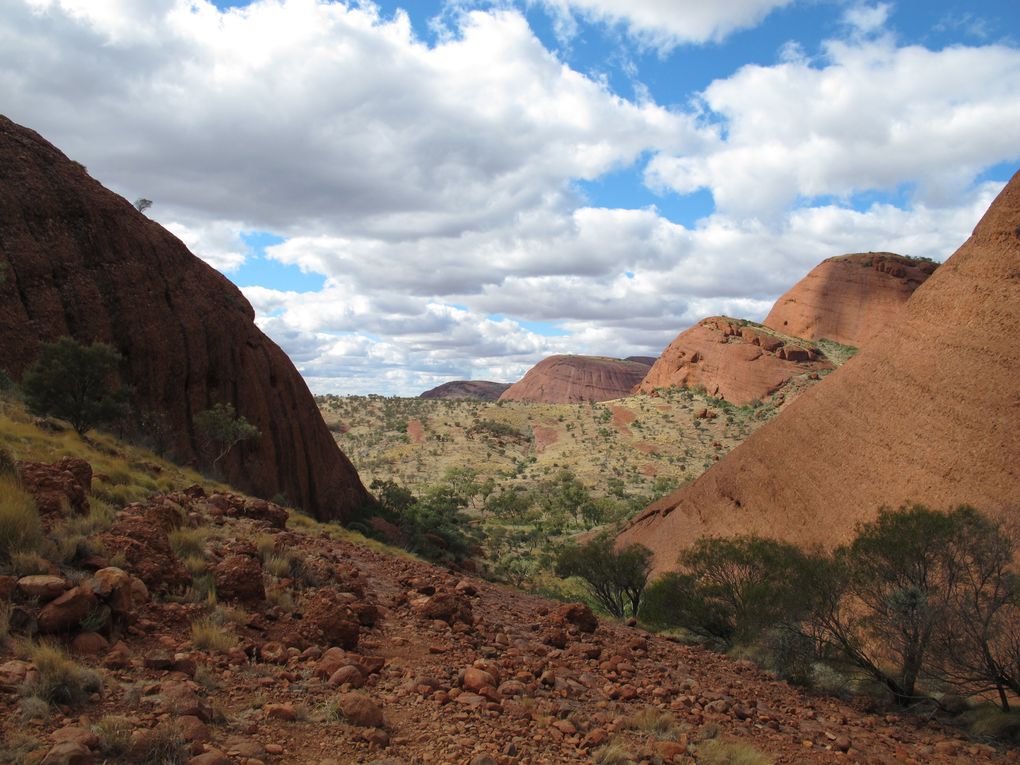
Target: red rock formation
733, 361
570, 379
480, 390
928, 411
850, 298
79, 260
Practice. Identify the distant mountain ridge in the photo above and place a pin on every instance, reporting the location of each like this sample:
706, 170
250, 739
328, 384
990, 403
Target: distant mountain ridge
565, 379
928, 411
481, 390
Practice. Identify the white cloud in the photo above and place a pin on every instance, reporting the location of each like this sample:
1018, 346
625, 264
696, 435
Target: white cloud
433, 186
665, 24
867, 19
873, 117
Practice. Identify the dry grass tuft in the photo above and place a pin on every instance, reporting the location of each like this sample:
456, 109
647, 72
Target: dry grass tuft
61, 680
208, 635
720, 751
611, 754
20, 527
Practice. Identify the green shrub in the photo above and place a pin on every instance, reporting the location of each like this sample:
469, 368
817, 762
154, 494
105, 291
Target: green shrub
735, 588
7, 462
76, 383
20, 527
221, 429
189, 542
615, 578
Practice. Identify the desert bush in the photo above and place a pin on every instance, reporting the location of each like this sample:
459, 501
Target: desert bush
915, 581
75, 382
34, 708
735, 588
221, 429
7, 462
20, 526
60, 679
28, 563
615, 578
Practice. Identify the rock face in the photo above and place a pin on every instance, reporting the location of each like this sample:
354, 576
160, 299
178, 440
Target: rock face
734, 361
850, 298
569, 379
480, 390
79, 260
927, 412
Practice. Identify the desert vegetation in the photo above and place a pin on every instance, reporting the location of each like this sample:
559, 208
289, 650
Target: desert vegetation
921, 602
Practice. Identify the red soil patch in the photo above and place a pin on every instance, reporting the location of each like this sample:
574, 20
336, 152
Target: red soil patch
545, 436
415, 431
622, 418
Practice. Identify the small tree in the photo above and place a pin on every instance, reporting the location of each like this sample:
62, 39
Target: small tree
615, 578
891, 592
75, 382
735, 588
222, 429
142, 204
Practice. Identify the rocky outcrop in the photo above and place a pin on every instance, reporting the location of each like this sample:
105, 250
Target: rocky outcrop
732, 360
79, 260
928, 411
570, 379
850, 298
59, 488
479, 390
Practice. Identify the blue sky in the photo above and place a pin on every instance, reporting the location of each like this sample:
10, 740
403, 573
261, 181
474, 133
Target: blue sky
410, 193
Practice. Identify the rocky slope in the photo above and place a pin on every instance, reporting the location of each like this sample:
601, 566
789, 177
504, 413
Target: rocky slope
480, 390
850, 298
351, 655
732, 360
79, 260
928, 411
569, 379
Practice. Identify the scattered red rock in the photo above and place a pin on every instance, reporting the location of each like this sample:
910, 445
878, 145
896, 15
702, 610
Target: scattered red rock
140, 535
59, 489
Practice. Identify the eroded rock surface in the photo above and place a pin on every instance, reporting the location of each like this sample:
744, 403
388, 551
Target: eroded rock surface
569, 379
733, 360
79, 260
850, 298
927, 412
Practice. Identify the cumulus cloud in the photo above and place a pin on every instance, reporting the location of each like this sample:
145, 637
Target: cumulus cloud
433, 185
874, 116
342, 114
665, 24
